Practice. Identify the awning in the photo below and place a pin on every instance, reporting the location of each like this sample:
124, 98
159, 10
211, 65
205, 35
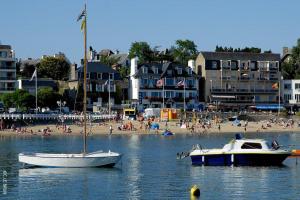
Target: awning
224, 97
269, 107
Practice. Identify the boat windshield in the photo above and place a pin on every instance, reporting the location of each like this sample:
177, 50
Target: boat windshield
251, 145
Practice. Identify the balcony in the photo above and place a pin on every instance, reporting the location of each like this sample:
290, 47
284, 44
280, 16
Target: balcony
244, 91
7, 88
7, 78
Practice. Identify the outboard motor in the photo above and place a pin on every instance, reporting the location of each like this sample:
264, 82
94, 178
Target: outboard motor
238, 136
275, 145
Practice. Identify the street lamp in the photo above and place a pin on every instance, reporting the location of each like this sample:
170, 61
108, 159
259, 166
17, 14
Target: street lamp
210, 90
60, 104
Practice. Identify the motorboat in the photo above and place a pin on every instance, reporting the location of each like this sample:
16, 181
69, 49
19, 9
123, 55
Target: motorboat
84, 159
240, 152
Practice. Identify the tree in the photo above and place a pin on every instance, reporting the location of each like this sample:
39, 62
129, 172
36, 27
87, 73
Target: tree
20, 99
291, 69
246, 49
124, 72
109, 61
141, 50
47, 97
184, 50
56, 68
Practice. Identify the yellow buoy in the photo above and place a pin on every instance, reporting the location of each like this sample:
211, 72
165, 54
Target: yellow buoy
195, 191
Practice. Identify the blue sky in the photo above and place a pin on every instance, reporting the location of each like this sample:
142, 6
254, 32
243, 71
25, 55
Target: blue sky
42, 27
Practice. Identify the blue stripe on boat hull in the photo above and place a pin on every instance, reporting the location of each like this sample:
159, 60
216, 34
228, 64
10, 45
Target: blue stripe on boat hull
240, 159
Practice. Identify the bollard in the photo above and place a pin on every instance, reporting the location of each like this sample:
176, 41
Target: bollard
195, 191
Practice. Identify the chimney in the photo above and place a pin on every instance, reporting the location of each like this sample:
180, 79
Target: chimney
285, 50
73, 71
191, 64
133, 67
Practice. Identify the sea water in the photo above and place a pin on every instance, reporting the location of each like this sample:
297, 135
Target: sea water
148, 170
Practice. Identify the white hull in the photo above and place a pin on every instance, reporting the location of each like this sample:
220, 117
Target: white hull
94, 159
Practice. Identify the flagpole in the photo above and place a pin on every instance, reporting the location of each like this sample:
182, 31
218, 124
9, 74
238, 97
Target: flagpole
164, 92
109, 98
36, 91
184, 94
84, 80
279, 84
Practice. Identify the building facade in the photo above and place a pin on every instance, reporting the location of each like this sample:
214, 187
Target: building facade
159, 85
237, 80
102, 82
7, 69
291, 92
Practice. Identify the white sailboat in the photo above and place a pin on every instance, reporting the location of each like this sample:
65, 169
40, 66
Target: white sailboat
84, 159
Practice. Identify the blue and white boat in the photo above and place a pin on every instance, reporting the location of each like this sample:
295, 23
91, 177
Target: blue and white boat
241, 152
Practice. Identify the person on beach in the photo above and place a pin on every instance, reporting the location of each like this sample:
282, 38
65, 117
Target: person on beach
110, 129
219, 127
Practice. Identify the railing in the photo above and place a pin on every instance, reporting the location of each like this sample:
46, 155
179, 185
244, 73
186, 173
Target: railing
7, 78
7, 89
244, 90
55, 116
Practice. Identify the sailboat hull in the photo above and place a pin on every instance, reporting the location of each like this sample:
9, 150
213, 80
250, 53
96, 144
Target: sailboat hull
95, 159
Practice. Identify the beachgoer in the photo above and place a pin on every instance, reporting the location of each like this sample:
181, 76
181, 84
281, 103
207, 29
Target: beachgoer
110, 129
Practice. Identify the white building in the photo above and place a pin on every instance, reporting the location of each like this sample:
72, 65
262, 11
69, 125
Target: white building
7, 69
291, 91
158, 85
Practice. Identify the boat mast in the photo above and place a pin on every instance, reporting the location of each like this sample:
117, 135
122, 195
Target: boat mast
84, 82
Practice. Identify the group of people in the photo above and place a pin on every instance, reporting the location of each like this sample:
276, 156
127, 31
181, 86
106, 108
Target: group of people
126, 126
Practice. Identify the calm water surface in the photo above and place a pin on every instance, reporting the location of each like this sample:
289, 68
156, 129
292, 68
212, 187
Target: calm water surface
149, 170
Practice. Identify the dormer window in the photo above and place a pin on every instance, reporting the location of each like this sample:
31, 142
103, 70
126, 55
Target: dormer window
145, 70
87, 75
179, 71
99, 76
111, 76
155, 70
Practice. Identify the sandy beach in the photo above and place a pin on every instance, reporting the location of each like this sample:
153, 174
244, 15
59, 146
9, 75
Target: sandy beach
138, 128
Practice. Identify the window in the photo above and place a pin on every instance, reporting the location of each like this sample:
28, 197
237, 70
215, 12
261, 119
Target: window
144, 81
3, 54
253, 65
169, 72
145, 70
297, 97
287, 86
155, 94
189, 71
111, 76
169, 81
88, 75
214, 65
155, 70
169, 94
179, 71
99, 76
297, 85
251, 145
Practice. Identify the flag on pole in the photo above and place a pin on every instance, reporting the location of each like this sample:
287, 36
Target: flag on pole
82, 14
159, 83
275, 86
181, 83
106, 82
33, 75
